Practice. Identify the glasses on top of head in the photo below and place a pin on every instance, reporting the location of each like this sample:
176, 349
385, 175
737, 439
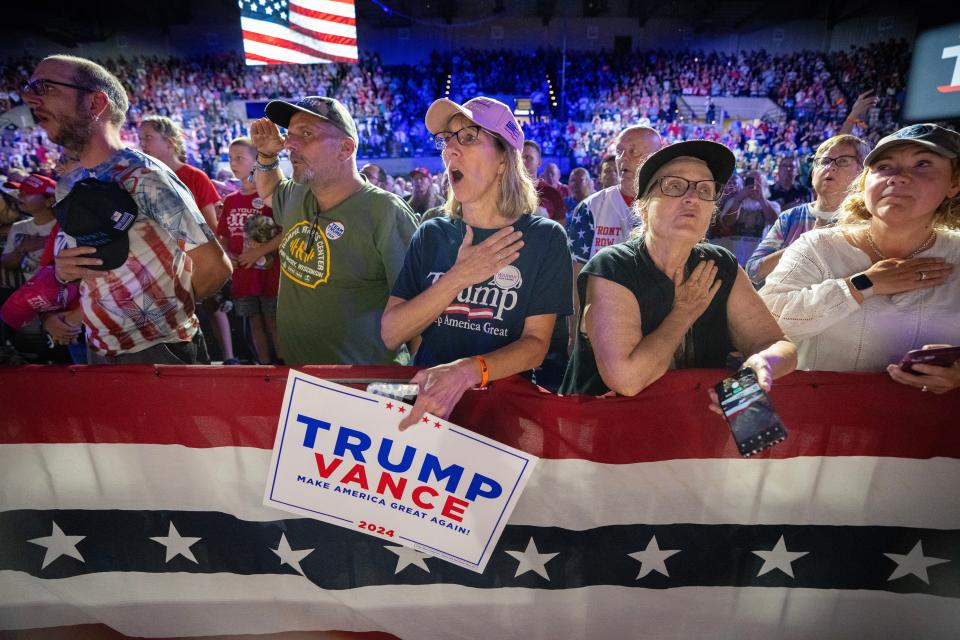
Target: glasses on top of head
467, 135
41, 86
840, 161
676, 187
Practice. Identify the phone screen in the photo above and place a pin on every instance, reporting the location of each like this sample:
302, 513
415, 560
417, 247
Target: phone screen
753, 421
940, 357
403, 392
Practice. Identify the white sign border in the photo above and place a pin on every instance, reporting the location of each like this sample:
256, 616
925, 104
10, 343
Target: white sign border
509, 503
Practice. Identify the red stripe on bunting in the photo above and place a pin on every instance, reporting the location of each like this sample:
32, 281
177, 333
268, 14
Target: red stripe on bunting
826, 414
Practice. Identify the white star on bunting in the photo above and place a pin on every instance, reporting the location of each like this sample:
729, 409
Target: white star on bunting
779, 558
58, 544
177, 545
653, 558
407, 556
913, 563
531, 559
290, 557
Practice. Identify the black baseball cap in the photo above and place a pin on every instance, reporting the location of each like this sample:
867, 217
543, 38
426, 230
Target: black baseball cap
329, 109
99, 214
718, 157
935, 138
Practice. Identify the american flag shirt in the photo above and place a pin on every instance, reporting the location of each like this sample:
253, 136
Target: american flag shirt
148, 300
600, 220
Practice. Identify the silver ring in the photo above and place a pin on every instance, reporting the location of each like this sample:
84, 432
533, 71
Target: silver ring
923, 276
499, 257
924, 388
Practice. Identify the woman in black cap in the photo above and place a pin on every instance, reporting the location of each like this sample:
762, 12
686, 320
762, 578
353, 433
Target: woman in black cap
858, 296
664, 299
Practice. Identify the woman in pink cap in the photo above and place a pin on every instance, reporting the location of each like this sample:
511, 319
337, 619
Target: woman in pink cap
481, 286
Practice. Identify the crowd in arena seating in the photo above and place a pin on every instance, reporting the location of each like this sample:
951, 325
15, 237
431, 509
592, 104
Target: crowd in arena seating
681, 189
602, 93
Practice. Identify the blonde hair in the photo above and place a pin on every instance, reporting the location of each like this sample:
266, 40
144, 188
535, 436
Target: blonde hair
518, 195
854, 210
170, 132
861, 148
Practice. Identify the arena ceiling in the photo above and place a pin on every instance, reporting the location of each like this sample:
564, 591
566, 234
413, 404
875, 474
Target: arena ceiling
70, 23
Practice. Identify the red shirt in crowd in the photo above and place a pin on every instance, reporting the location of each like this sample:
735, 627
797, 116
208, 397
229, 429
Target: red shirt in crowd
238, 207
199, 184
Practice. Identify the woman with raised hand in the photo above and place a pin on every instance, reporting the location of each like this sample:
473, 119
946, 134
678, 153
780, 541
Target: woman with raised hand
665, 299
482, 285
858, 296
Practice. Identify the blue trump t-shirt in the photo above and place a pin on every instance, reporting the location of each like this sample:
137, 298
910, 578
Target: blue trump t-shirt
488, 315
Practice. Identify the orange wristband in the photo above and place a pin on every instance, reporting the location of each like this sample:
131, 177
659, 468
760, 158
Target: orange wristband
484, 371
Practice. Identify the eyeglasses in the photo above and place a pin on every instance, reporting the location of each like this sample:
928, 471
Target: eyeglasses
41, 86
468, 135
840, 161
677, 187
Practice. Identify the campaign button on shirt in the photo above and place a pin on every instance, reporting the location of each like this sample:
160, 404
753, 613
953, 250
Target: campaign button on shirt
334, 230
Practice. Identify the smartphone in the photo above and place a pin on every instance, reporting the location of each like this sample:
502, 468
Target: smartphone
753, 422
749, 181
939, 356
402, 392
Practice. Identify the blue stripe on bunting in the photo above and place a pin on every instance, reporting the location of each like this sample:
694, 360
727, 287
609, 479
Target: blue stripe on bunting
837, 557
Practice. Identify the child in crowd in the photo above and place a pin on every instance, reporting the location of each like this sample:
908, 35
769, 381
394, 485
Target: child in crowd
256, 271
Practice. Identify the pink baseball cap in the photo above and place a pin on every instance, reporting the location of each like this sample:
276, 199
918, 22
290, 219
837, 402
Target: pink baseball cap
492, 115
39, 294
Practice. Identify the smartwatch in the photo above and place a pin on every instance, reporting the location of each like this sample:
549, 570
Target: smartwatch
862, 283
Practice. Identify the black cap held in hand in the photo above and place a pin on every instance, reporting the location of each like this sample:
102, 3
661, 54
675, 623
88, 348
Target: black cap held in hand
99, 214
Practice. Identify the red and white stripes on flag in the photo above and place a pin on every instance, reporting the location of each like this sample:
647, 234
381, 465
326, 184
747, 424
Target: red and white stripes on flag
299, 31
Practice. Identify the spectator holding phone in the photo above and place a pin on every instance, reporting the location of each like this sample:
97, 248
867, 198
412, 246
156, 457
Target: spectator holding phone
837, 162
481, 287
745, 217
664, 299
858, 296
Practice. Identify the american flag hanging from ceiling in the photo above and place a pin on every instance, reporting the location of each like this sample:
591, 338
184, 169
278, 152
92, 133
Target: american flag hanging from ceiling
298, 31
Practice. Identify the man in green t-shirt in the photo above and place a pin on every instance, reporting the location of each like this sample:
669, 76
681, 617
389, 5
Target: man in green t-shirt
343, 239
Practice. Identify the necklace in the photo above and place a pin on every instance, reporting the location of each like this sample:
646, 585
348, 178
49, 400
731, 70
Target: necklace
923, 247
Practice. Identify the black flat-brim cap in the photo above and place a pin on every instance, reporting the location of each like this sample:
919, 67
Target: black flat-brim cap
720, 160
328, 109
99, 214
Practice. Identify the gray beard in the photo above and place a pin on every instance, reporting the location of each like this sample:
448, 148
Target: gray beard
304, 176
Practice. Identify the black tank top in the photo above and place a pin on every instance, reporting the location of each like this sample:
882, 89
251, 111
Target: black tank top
628, 264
